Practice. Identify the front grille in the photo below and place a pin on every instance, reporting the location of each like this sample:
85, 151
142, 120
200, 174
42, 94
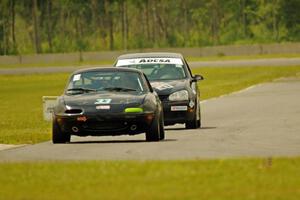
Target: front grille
163, 97
107, 125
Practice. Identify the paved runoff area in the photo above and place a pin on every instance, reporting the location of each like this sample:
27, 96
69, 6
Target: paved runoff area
221, 63
261, 121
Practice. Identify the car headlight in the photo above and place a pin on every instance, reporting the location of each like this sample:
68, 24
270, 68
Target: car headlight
181, 95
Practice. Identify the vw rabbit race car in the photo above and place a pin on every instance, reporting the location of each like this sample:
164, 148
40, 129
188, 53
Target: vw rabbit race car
171, 77
108, 101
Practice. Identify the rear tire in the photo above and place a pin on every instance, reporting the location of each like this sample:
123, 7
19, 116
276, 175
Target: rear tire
58, 136
153, 133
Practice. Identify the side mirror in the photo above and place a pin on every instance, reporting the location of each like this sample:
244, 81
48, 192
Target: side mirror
197, 78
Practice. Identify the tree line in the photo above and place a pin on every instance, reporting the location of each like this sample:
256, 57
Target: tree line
46, 26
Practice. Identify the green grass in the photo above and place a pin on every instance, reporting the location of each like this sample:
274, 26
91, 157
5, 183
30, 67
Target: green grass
21, 104
238, 179
22, 122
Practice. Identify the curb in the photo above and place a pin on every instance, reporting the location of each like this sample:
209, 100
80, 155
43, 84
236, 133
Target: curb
10, 146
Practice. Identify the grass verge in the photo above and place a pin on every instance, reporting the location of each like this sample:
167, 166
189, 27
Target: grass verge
245, 179
21, 105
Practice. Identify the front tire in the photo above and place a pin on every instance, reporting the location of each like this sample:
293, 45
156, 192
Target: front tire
162, 127
153, 133
58, 136
196, 121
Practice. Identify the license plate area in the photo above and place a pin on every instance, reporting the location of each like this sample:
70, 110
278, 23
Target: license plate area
178, 108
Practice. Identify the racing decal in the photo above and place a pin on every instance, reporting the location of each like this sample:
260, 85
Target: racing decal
155, 60
140, 61
76, 77
161, 86
102, 101
103, 107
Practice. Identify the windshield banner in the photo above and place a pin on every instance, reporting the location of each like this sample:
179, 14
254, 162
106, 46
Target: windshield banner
140, 61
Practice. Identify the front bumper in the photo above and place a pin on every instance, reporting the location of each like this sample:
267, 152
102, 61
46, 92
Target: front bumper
177, 112
108, 124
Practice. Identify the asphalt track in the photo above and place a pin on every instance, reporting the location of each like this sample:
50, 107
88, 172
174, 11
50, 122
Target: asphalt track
262, 121
224, 63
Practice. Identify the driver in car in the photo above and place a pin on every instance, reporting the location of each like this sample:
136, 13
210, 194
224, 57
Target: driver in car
169, 71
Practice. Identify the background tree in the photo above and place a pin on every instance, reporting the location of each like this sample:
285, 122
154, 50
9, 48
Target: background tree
291, 16
42, 26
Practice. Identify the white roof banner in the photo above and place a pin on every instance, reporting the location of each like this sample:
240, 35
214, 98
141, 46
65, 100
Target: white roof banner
141, 61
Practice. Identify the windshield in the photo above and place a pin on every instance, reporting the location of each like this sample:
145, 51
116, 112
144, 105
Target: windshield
156, 68
95, 81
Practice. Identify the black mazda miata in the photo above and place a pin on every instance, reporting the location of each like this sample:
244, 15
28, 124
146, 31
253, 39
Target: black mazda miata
108, 101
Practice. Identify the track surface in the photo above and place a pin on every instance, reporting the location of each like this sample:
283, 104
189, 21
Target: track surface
225, 63
260, 121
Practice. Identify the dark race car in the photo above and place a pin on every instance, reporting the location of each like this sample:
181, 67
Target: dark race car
171, 77
108, 101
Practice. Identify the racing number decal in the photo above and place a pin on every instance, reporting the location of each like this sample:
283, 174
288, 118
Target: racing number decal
102, 101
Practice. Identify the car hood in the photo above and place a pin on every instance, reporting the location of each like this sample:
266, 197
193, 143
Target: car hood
169, 86
117, 100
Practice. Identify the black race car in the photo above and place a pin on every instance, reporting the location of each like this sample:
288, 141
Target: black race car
171, 77
108, 101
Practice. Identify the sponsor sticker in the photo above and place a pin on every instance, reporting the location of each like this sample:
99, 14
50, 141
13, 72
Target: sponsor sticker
76, 77
102, 101
140, 61
103, 107
178, 108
